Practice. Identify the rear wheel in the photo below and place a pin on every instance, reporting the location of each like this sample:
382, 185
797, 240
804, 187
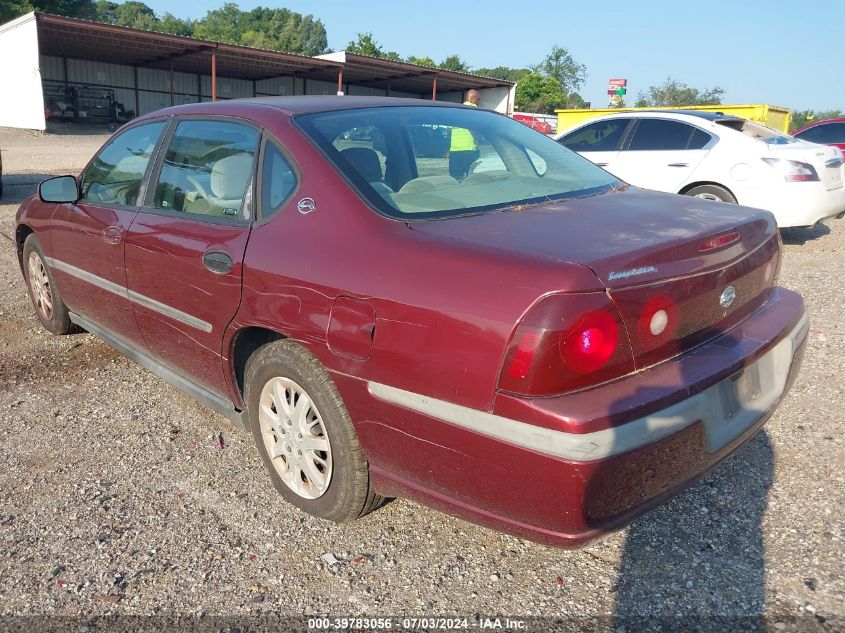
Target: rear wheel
712, 192
304, 434
49, 307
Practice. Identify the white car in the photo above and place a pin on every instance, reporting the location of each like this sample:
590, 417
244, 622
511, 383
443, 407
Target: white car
718, 157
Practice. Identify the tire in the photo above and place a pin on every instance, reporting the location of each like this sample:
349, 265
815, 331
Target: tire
317, 463
711, 192
46, 298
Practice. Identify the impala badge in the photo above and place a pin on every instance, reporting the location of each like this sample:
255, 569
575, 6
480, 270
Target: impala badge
727, 297
306, 206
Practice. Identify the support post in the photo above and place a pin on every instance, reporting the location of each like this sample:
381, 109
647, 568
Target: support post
434, 89
137, 96
340, 82
214, 76
172, 101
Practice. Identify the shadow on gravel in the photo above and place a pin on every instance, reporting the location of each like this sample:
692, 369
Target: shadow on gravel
694, 565
16, 187
801, 235
697, 562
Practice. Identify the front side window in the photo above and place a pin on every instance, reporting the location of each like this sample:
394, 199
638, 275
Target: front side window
659, 134
207, 170
601, 136
444, 162
826, 133
116, 174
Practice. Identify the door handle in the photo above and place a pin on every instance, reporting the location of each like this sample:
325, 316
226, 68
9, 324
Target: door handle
218, 262
602, 164
678, 165
111, 235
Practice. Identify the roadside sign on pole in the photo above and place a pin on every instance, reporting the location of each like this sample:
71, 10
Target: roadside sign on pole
618, 82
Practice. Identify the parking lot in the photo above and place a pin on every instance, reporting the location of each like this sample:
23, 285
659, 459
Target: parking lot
116, 496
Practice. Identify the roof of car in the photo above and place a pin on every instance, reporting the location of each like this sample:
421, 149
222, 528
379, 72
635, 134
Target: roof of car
839, 119
303, 104
701, 114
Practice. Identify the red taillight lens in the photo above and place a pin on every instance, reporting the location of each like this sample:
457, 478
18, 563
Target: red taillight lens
566, 342
590, 344
793, 170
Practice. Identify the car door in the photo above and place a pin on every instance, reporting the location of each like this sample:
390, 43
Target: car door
661, 154
600, 141
87, 238
184, 251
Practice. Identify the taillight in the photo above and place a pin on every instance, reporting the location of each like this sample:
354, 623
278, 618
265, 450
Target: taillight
566, 342
793, 170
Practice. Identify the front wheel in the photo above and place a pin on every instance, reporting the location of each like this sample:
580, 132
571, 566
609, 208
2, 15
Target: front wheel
712, 192
49, 307
304, 434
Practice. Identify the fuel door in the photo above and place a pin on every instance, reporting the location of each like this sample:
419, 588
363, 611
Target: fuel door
352, 327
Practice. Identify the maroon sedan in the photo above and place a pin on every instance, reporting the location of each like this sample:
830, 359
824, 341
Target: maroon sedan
827, 132
539, 348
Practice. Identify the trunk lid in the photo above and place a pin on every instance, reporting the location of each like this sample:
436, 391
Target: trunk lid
652, 252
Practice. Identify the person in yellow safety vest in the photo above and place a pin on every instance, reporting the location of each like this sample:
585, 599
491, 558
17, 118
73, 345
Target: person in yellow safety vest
463, 150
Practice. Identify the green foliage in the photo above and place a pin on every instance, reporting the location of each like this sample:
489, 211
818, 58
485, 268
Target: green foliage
559, 65
503, 72
367, 45
539, 93
421, 61
674, 93
803, 117
551, 84
11, 9
454, 63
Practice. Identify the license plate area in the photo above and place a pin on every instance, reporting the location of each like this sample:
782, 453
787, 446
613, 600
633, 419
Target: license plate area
736, 404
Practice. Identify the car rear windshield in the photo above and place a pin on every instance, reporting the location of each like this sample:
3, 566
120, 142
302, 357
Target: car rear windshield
429, 161
757, 131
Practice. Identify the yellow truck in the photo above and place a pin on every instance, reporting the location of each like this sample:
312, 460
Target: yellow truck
774, 116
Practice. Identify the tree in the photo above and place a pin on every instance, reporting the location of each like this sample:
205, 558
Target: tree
169, 23
539, 93
559, 64
503, 72
11, 9
264, 27
674, 93
804, 117
136, 15
454, 63
367, 45
421, 61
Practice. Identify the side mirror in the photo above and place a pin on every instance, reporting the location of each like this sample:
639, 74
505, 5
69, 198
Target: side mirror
60, 189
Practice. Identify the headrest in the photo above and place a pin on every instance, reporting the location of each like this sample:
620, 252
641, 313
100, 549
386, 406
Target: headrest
229, 176
365, 161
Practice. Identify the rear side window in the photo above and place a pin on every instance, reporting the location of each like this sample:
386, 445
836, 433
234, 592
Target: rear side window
824, 133
278, 180
601, 136
115, 175
207, 169
658, 134
699, 139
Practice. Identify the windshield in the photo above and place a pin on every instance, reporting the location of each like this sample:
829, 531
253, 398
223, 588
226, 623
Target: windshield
433, 161
757, 131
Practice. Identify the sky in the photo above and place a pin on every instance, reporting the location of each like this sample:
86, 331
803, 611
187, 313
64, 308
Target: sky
758, 51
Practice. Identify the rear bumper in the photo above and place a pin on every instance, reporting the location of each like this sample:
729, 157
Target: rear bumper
564, 470
798, 203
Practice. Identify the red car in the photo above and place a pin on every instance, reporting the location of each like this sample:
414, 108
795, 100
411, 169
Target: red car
541, 349
827, 132
535, 124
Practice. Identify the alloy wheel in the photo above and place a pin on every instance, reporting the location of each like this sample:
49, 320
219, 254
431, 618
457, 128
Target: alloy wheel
40, 285
295, 437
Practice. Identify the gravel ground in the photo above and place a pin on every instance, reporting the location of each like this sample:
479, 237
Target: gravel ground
115, 499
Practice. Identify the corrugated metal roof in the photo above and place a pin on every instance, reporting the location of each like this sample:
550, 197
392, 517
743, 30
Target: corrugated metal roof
84, 39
